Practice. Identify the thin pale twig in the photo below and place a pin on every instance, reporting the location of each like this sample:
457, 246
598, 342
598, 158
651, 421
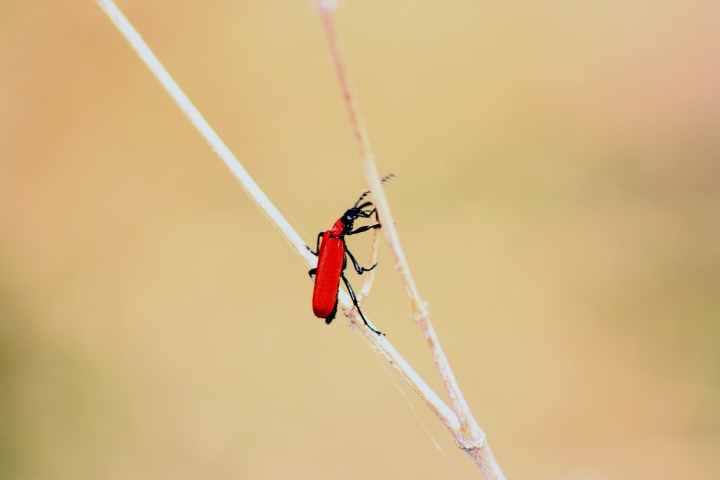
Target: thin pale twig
218, 146
374, 244
372, 260
469, 436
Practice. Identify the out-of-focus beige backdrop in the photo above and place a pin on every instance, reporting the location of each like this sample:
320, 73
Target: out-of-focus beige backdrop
557, 193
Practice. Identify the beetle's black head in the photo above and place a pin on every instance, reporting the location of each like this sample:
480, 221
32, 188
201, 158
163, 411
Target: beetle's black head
352, 214
349, 217
358, 210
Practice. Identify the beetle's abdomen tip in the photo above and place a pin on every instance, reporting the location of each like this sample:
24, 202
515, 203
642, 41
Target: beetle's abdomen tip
321, 311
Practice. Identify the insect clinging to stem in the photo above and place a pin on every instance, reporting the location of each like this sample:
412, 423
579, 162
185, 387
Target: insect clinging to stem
332, 253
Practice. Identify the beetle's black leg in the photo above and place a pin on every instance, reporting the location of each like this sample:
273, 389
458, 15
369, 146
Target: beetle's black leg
312, 272
364, 229
360, 270
366, 204
331, 317
317, 249
354, 300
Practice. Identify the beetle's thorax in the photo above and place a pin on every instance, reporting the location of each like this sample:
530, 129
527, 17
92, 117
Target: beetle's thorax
338, 230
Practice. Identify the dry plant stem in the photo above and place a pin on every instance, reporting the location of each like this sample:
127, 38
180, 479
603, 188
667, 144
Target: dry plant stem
385, 348
469, 436
218, 146
446, 415
370, 276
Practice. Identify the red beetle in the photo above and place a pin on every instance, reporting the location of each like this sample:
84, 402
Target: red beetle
332, 260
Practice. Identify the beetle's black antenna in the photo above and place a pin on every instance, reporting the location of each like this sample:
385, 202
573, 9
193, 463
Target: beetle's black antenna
383, 180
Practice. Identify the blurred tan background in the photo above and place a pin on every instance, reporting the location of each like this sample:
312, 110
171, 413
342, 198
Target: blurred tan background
557, 191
